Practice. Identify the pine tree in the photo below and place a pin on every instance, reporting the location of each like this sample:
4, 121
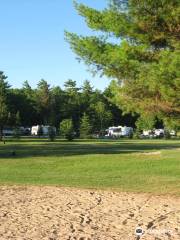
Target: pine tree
44, 100
85, 127
3, 103
66, 129
143, 56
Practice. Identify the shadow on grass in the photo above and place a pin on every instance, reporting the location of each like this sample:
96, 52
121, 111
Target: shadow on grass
41, 147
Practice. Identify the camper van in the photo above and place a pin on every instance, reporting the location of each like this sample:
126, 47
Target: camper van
120, 131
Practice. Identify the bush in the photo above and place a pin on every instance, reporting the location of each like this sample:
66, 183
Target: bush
66, 129
137, 134
145, 123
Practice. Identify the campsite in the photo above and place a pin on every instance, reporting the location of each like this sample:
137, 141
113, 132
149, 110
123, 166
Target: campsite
90, 120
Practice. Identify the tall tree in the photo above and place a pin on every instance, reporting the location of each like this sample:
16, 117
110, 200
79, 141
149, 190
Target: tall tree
118, 118
30, 105
57, 106
72, 105
44, 100
3, 103
85, 127
144, 58
86, 97
103, 116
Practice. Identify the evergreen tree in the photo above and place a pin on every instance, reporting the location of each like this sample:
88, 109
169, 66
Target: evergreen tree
66, 129
85, 127
57, 106
16, 130
18, 119
72, 104
86, 97
44, 101
144, 59
3, 103
30, 107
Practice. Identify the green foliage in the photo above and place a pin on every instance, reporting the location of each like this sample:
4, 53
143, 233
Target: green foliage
171, 124
45, 104
66, 129
145, 123
103, 115
167, 134
3, 103
18, 119
72, 102
51, 134
144, 59
44, 100
85, 127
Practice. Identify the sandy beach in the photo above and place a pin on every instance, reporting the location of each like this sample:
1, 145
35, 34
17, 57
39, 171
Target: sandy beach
52, 213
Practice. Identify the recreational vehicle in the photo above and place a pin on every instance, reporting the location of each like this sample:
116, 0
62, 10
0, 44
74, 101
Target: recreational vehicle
41, 130
120, 131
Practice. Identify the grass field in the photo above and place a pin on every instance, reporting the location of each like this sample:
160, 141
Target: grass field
125, 165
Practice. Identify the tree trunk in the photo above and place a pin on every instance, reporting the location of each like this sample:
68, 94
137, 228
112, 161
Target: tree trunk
101, 122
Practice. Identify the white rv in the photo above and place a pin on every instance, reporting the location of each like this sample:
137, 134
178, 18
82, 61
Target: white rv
45, 130
157, 133
119, 131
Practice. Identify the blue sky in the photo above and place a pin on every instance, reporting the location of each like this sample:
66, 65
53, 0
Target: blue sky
32, 44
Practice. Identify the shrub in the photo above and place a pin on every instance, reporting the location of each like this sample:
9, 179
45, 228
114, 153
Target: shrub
66, 129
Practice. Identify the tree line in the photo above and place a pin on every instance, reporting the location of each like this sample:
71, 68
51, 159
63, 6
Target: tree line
143, 59
89, 109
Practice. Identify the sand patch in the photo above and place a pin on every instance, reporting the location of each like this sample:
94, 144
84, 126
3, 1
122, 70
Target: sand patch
149, 153
53, 213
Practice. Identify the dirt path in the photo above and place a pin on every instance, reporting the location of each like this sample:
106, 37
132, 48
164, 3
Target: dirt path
52, 213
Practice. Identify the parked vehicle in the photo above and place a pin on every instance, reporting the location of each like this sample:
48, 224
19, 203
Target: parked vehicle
157, 133
8, 131
120, 131
41, 130
173, 133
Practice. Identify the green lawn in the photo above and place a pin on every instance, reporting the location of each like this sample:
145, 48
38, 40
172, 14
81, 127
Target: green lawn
121, 165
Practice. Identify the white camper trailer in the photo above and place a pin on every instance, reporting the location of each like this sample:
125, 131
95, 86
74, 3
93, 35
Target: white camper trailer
159, 132
120, 131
